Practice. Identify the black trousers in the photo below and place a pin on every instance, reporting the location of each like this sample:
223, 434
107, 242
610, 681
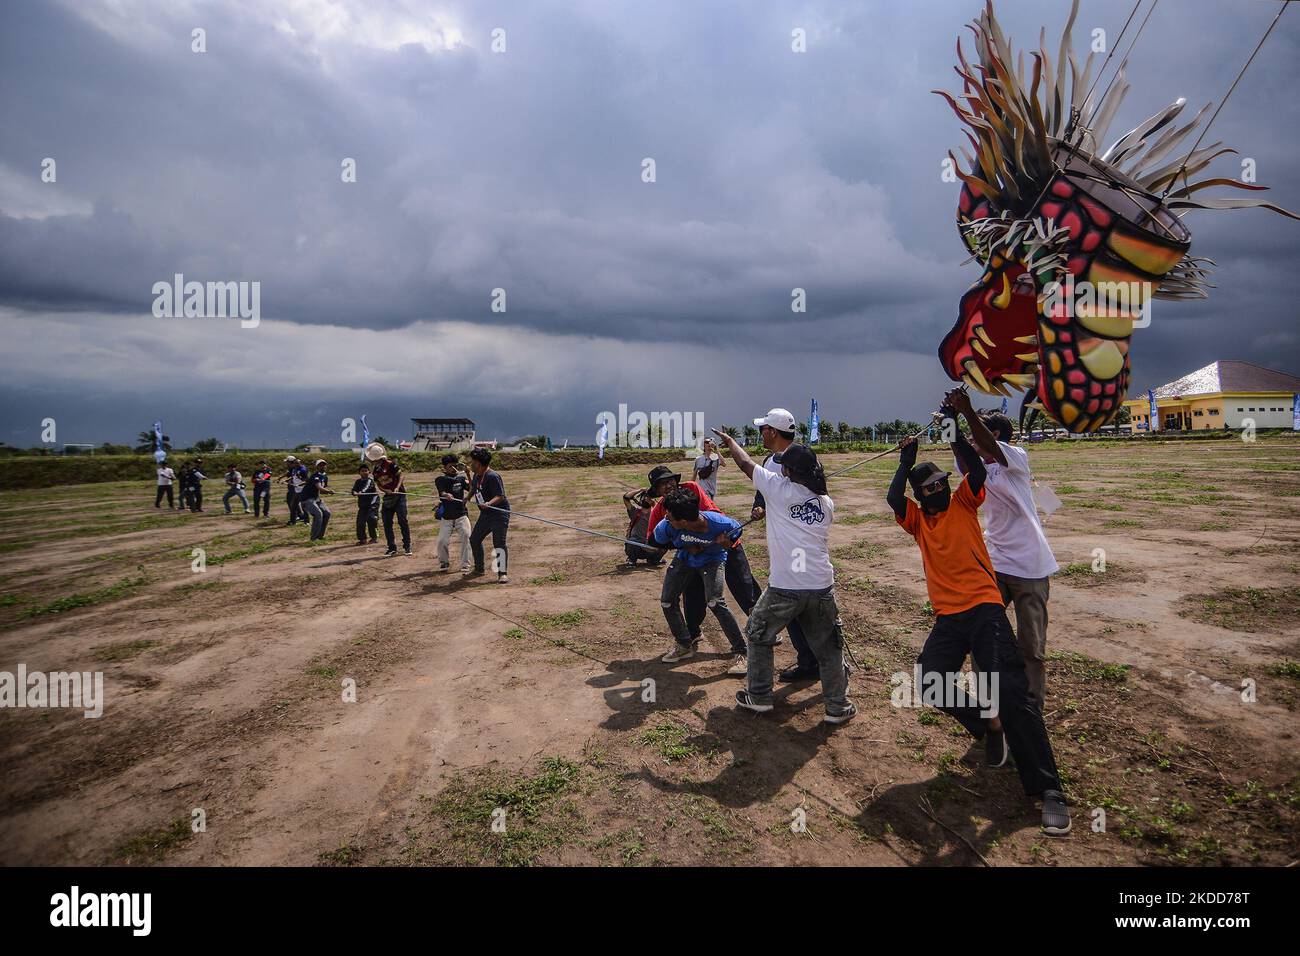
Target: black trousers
164, 490
196, 498
493, 523
295, 512
635, 554
262, 499
368, 520
395, 507
985, 633
746, 591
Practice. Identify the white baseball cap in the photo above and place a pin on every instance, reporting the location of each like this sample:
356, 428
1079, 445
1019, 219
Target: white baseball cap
778, 418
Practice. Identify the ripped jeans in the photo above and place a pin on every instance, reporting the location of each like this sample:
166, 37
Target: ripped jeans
713, 577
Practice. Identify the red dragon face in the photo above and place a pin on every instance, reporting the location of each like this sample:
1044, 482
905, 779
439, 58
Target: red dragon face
1064, 332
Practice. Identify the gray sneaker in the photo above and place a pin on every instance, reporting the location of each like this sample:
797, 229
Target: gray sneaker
843, 717
679, 652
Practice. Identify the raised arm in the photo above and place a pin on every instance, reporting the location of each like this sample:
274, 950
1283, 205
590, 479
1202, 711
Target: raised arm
897, 496
971, 463
959, 401
738, 454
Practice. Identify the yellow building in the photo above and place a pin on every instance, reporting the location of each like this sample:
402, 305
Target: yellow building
1223, 394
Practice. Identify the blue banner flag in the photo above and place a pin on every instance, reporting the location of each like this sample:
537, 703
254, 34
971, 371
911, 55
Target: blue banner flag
159, 452
814, 425
602, 437
1004, 405
1154, 414
1295, 412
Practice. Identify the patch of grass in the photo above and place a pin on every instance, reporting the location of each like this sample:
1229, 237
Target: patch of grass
152, 845
1244, 609
1089, 668
1098, 505
121, 651
1286, 669
564, 621
73, 601
668, 738
515, 634
533, 817
555, 577
345, 855
1121, 523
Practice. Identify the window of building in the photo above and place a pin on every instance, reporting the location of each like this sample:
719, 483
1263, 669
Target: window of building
1214, 411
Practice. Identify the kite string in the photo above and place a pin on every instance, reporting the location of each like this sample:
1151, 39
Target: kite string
558, 524
1182, 169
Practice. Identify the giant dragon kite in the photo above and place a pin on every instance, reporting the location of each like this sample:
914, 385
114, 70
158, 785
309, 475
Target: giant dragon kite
1056, 219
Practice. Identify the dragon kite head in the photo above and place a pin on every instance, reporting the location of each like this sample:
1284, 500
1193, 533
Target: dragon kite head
1075, 240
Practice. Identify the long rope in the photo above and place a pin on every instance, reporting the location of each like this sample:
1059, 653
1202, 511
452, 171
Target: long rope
1100, 73
1242, 72
887, 451
1131, 45
558, 524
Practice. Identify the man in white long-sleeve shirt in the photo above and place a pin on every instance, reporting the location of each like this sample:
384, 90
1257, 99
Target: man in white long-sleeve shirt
1022, 559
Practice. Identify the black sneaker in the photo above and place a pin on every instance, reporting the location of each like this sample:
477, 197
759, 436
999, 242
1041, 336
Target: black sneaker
745, 700
390, 553
795, 673
995, 748
1056, 814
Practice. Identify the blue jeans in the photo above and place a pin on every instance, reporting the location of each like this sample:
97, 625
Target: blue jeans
233, 492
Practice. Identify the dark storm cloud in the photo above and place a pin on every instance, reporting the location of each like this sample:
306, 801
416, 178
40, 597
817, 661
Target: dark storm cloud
522, 171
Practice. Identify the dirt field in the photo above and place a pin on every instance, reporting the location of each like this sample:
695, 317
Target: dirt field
224, 687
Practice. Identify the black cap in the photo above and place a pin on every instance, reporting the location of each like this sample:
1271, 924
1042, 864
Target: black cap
797, 458
659, 472
925, 473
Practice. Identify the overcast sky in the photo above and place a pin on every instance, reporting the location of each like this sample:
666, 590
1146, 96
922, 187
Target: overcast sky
522, 170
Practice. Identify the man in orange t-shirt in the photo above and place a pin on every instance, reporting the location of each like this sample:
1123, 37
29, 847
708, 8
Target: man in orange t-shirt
969, 617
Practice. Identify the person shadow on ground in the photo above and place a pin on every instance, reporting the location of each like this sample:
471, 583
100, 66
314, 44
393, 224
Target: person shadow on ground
945, 820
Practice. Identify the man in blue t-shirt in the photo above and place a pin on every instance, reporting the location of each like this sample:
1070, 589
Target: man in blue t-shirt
703, 540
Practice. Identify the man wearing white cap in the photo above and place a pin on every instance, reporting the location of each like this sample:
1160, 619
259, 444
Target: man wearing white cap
776, 429
388, 478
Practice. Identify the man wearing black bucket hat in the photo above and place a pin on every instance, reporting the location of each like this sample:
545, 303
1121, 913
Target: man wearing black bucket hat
969, 617
801, 580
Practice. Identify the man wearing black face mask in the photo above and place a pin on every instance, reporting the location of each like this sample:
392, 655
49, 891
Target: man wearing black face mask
971, 618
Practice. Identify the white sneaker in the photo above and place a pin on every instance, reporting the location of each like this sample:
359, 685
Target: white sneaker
680, 652
739, 666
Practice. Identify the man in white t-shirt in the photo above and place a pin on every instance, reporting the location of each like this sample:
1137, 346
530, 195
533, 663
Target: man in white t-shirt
707, 466
1022, 559
165, 478
801, 580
